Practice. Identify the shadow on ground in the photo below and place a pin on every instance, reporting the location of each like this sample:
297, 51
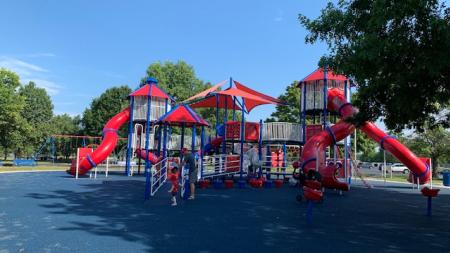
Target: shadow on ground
249, 220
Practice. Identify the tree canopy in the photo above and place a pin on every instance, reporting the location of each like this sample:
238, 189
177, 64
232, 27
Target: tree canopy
38, 112
103, 108
291, 112
396, 51
12, 124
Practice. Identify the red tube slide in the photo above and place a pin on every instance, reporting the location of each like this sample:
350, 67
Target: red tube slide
108, 144
314, 148
152, 158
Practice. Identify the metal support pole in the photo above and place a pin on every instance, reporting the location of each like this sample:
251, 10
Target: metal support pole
260, 147
147, 145
194, 133
202, 145
183, 127
241, 165
130, 139
303, 113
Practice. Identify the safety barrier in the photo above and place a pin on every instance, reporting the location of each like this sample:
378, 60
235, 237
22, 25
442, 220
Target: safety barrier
158, 175
220, 165
282, 131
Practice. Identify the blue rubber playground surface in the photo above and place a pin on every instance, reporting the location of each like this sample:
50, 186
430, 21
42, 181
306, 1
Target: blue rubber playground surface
52, 212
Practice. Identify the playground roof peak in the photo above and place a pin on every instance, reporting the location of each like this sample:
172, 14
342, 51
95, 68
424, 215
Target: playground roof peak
182, 114
151, 89
319, 75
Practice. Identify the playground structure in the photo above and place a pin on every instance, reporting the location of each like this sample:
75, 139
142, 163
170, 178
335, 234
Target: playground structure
255, 152
323, 90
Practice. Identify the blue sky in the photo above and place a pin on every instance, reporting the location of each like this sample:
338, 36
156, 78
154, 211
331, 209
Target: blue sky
78, 49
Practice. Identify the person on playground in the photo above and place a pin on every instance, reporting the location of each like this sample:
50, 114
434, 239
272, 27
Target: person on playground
189, 160
174, 181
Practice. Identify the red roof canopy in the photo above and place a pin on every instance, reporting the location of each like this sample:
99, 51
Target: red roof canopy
183, 114
318, 75
216, 99
256, 93
206, 92
151, 89
211, 102
251, 101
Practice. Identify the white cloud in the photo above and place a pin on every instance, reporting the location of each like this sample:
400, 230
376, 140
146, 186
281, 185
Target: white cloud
30, 72
49, 86
20, 67
36, 55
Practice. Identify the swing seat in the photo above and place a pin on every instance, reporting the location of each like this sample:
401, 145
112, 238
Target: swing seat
427, 192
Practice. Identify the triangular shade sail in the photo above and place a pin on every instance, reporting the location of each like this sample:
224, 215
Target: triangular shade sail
251, 101
318, 75
182, 114
206, 92
256, 93
211, 102
152, 90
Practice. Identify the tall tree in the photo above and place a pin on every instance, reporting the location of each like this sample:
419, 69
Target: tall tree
38, 112
12, 125
433, 143
103, 108
291, 112
178, 79
64, 124
397, 52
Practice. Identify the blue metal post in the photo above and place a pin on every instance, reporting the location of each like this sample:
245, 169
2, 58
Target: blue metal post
217, 113
346, 140
284, 159
241, 165
183, 127
159, 136
303, 115
234, 109
147, 145
194, 133
130, 139
165, 133
260, 146
202, 145
325, 96
429, 207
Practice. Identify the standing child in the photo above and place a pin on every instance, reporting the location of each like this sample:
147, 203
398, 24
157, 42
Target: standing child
174, 181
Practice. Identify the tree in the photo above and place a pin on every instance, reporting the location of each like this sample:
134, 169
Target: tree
180, 81
177, 79
364, 144
12, 125
291, 112
433, 143
64, 124
396, 51
103, 108
38, 112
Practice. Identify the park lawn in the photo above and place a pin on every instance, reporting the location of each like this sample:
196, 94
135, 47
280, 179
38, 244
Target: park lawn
401, 178
59, 167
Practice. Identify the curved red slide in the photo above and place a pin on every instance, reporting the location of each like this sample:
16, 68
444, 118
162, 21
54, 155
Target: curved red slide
148, 156
315, 147
108, 144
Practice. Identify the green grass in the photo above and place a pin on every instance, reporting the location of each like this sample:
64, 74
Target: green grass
39, 167
401, 178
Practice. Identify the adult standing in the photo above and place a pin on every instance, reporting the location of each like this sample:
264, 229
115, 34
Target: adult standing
189, 161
